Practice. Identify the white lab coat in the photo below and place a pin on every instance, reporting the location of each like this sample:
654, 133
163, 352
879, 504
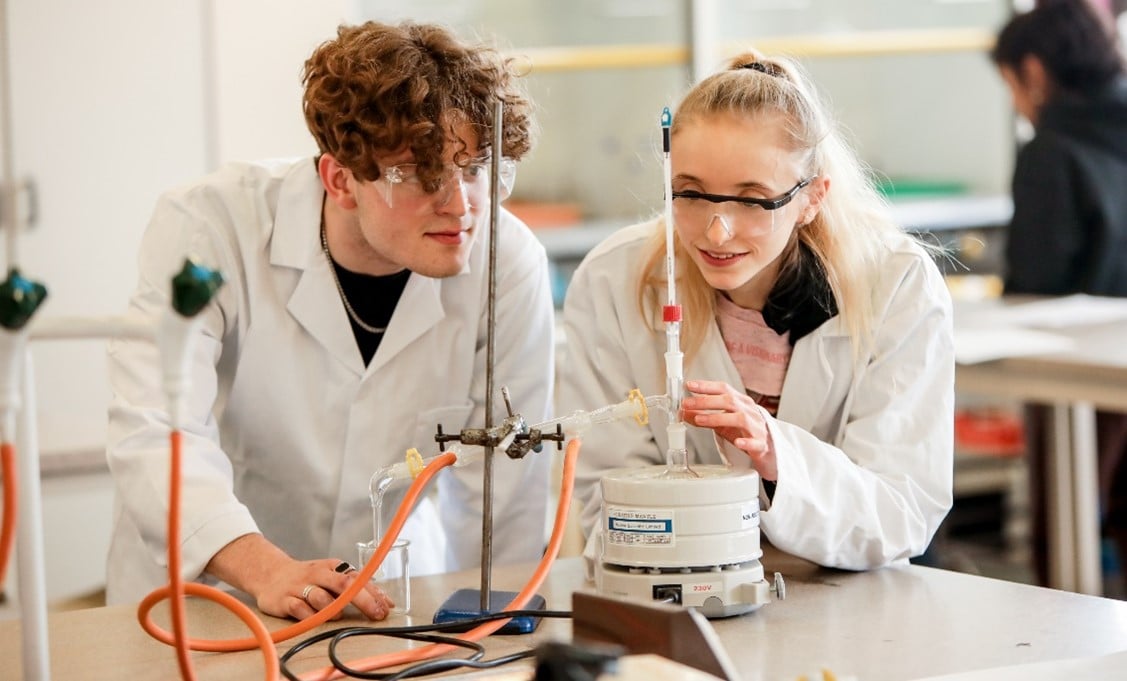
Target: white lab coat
285, 426
865, 454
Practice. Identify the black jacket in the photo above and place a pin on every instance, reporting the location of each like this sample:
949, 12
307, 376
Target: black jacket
1069, 230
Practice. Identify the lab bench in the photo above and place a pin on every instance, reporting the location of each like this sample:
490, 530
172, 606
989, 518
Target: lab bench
890, 624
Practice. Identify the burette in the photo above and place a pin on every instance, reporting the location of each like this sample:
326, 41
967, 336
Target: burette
677, 455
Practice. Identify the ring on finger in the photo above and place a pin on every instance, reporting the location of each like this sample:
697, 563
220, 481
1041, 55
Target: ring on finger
306, 591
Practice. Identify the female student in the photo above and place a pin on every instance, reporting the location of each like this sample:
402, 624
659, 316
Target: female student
817, 336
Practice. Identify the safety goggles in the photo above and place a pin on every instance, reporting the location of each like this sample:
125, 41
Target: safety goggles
751, 216
402, 185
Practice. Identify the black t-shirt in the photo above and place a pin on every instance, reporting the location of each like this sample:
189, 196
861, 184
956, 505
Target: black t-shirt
374, 300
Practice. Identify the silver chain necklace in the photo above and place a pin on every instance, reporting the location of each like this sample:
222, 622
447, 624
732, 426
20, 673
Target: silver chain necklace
340, 289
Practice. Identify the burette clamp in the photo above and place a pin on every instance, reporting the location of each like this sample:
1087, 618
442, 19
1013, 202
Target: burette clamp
513, 434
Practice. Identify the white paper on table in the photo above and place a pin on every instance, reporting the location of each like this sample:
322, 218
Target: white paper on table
974, 344
1061, 313
1097, 668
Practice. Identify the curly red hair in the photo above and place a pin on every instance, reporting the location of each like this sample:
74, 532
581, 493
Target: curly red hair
378, 89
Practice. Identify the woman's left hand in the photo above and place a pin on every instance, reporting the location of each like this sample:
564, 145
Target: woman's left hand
735, 417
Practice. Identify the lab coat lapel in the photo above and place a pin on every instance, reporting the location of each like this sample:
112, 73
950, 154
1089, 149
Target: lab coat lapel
315, 304
419, 309
811, 374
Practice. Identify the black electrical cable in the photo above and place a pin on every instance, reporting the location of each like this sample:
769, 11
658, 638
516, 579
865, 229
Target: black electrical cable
434, 666
446, 664
333, 635
479, 652
298, 647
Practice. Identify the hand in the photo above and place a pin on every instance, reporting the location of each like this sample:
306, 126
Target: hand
258, 567
281, 595
735, 417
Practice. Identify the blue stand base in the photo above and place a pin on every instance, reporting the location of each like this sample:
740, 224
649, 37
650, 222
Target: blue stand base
465, 604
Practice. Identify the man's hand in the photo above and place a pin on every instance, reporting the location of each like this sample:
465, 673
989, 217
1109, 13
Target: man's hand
284, 587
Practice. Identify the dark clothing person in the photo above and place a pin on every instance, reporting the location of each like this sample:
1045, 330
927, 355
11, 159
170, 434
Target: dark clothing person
1062, 64
1069, 230
1069, 235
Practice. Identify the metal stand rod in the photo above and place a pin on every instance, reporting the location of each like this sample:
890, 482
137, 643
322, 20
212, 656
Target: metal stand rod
9, 209
29, 529
1062, 563
1085, 499
487, 485
29, 543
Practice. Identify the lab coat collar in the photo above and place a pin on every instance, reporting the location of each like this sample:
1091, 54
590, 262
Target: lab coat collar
296, 244
298, 216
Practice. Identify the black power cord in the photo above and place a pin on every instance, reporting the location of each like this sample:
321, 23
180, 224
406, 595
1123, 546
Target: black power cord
479, 652
418, 632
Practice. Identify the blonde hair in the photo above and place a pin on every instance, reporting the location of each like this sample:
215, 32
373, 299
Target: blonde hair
846, 236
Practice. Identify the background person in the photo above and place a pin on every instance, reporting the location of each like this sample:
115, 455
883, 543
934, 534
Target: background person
1062, 65
353, 322
817, 336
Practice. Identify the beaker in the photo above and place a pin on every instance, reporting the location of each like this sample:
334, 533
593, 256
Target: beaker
394, 575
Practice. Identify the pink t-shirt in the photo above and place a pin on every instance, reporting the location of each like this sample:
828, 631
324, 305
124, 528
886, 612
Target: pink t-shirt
760, 355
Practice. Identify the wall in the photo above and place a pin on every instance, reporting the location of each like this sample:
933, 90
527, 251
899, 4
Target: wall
104, 120
941, 117
107, 119
76, 529
259, 49
600, 136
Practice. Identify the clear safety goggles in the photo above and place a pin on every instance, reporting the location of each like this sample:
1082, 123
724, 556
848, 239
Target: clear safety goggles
402, 185
749, 215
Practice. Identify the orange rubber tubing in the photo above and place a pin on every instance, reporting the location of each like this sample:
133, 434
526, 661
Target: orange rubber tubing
262, 638
8, 526
482, 630
176, 588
